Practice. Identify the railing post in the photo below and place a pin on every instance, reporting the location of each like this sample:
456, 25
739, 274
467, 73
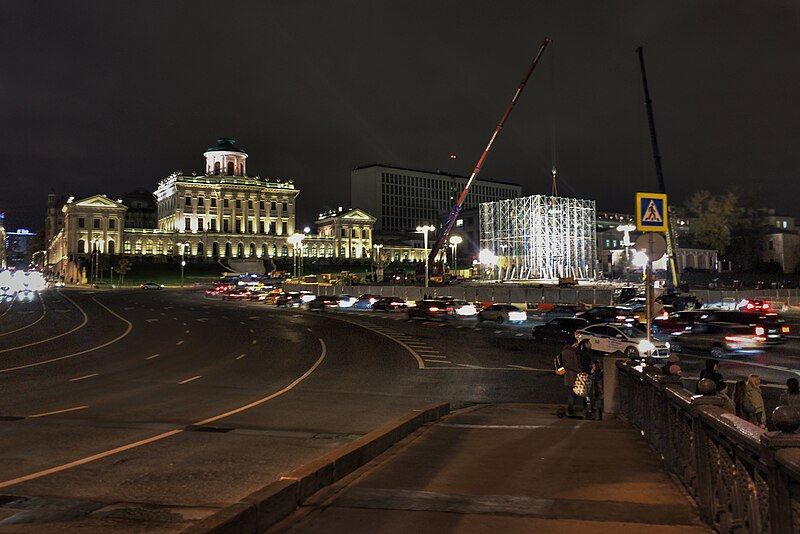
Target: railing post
787, 420
664, 430
705, 486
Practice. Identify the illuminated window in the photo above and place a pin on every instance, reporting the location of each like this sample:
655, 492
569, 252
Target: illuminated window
342, 252
111, 249
305, 251
137, 249
240, 250
159, 248
284, 251
263, 251
148, 248
313, 250
330, 251
252, 250
199, 249
169, 247
81, 246
126, 247
274, 250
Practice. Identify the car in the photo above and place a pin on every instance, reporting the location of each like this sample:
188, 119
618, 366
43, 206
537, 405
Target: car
237, 294
608, 314
429, 309
346, 301
559, 329
501, 313
25, 295
365, 302
389, 304
462, 308
563, 310
775, 327
718, 339
290, 299
322, 302
622, 294
151, 285
676, 321
755, 306
624, 338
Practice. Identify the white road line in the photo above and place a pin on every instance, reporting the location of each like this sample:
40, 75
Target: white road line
241, 322
491, 427
190, 379
151, 320
239, 357
519, 335
59, 411
44, 312
307, 328
179, 342
187, 331
202, 319
84, 323
254, 342
530, 368
128, 308
84, 377
153, 356
498, 331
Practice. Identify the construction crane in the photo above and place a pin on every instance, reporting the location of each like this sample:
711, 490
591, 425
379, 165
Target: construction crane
671, 244
451, 219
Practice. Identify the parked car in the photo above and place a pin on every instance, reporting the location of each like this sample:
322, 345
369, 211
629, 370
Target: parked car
563, 310
365, 302
775, 327
559, 329
676, 322
622, 337
322, 302
718, 339
501, 313
429, 309
389, 304
151, 285
608, 314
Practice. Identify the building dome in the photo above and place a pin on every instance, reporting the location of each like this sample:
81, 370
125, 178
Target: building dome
226, 144
226, 158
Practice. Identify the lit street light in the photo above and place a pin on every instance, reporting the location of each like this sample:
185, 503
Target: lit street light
378, 256
424, 231
295, 240
183, 261
454, 242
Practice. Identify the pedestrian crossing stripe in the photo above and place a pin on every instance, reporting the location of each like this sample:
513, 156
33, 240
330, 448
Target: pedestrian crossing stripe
651, 212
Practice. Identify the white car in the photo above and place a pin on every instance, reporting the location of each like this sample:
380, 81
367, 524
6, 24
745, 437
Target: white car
627, 339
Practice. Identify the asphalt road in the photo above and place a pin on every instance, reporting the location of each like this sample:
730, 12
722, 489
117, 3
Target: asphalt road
146, 410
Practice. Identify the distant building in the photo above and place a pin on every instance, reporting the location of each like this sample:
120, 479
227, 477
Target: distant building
344, 234
781, 243
141, 211
402, 199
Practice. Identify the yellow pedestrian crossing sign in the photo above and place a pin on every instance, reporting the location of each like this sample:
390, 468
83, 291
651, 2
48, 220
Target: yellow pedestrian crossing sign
651, 212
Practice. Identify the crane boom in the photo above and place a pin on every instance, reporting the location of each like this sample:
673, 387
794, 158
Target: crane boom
671, 245
451, 219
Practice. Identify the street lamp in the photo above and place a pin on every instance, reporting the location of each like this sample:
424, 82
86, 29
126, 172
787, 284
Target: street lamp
378, 256
295, 240
424, 231
183, 261
96, 244
454, 242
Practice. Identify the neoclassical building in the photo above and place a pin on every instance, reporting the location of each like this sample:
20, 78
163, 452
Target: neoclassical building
221, 214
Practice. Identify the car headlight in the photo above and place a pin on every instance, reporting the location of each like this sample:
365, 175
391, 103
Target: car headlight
667, 344
646, 346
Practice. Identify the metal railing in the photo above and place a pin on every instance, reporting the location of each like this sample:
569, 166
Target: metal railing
743, 479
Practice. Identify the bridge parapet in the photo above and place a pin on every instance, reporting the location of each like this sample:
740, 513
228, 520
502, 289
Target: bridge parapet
743, 478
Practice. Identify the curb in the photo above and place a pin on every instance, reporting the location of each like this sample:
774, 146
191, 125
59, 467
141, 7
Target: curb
272, 503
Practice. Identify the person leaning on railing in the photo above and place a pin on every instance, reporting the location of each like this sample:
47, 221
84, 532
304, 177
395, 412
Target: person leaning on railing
791, 397
754, 402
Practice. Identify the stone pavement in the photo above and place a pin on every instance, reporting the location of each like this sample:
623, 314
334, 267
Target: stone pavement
506, 468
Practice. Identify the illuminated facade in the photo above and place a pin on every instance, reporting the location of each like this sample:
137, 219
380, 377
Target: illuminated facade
540, 237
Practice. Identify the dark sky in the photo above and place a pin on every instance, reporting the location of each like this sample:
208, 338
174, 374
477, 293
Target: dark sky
104, 97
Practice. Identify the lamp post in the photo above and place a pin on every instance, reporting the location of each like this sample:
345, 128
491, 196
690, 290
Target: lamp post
295, 240
378, 257
454, 242
626, 229
424, 231
183, 261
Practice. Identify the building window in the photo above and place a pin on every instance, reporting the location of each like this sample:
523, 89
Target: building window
230, 168
126, 247
215, 249
249, 204
354, 232
148, 248
238, 226
226, 225
200, 202
250, 226
187, 224
330, 251
225, 203
342, 252
262, 227
137, 249
344, 232
81, 222
263, 251
213, 225
81, 246
213, 202
216, 167
159, 248
97, 223
112, 224
272, 206
228, 250
274, 250
252, 250
200, 249
240, 250
238, 203
284, 230
169, 247
283, 206
284, 251
272, 227
187, 201
261, 205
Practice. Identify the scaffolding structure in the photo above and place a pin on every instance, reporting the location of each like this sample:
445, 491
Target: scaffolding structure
540, 237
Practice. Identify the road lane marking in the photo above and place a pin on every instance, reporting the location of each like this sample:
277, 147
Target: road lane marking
254, 342
239, 357
151, 320
498, 331
191, 379
179, 342
252, 331
519, 335
524, 368
491, 427
44, 312
202, 319
307, 328
241, 322
187, 331
84, 377
58, 411
153, 356
68, 356
84, 323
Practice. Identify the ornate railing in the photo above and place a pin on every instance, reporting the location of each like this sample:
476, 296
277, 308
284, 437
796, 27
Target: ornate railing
743, 479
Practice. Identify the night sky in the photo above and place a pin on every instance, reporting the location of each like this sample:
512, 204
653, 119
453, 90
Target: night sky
104, 97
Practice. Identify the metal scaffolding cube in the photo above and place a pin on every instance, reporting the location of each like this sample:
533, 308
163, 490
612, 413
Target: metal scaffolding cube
541, 237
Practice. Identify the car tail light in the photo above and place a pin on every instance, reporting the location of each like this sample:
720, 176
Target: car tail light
759, 330
765, 306
620, 317
433, 309
784, 329
449, 309
750, 306
373, 301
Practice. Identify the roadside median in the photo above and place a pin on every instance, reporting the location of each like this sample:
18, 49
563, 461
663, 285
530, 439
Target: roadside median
265, 507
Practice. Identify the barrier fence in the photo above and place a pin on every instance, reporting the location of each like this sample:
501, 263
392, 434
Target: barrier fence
743, 479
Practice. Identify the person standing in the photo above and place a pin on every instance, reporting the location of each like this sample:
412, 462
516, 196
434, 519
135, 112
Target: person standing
754, 402
596, 396
711, 373
791, 397
575, 361
739, 390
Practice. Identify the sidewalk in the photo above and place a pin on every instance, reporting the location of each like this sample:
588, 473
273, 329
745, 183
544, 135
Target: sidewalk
505, 468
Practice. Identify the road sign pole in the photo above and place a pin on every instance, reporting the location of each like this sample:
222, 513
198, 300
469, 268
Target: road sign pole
649, 291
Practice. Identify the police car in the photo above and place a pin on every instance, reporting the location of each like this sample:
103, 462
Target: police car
628, 339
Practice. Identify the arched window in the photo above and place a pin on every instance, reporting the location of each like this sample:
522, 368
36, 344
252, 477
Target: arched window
137, 248
126, 247
230, 168
263, 251
216, 167
284, 251
330, 251
159, 248
240, 251
148, 247
169, 247
187, 249
81, 246
353, 252
199, 249
274, 250
228, 252
313, 250
111, 248
215, 249
343, 252
252, 250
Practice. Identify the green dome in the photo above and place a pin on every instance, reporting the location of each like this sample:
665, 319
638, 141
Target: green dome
226, 144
